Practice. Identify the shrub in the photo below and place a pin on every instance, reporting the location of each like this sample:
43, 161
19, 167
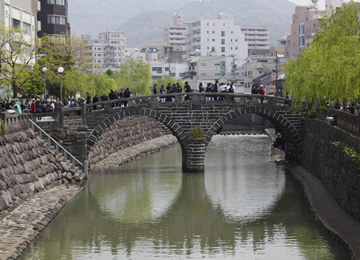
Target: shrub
197, 132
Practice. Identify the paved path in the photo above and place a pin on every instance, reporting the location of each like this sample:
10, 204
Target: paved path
328, 210
23, 225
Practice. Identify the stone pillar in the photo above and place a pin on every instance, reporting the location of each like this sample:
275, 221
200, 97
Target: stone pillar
78, 147
193, 151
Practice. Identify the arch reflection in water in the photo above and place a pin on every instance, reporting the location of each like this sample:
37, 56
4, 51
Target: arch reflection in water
242, 183
190, 216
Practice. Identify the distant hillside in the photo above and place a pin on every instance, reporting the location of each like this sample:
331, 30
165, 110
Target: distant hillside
143, 21
94, 16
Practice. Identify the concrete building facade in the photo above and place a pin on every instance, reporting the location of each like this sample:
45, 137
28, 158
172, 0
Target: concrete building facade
304, 26
108, 51
176, 34
219, 35
257, 37
53, 17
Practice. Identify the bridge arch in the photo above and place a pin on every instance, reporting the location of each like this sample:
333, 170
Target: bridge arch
282, 121
174, 127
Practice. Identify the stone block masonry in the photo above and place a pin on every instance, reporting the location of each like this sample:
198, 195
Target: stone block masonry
125, 133
331, 165
28, 166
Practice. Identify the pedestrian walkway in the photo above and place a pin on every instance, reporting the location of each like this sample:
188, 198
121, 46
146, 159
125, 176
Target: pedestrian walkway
328, 211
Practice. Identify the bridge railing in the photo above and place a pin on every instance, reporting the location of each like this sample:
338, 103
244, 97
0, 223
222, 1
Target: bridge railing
175, 98
345, 120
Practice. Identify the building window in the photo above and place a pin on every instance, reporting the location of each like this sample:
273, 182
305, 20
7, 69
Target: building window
27, 27
157, 69
202, 64
16, 24
213, 40
222, 33
56, 2
54, 19
222, 49
222, 41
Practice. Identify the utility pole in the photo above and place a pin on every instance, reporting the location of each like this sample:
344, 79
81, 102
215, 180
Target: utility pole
276, 79
233, 67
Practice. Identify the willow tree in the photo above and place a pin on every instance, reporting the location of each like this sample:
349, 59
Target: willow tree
329, 69
135, 75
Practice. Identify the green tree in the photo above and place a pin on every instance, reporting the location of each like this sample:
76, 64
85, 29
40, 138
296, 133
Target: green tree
100, 85
71, 54
135, 75
17, 56
328, 69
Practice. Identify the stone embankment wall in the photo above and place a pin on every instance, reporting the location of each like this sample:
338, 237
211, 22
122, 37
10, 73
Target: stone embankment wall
28, 166
125, 133
331, 164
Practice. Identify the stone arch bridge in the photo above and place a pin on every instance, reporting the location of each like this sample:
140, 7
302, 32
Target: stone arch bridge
181, 116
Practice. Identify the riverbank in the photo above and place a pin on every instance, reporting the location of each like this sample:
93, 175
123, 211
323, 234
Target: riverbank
323, 205
22, 225
20, 228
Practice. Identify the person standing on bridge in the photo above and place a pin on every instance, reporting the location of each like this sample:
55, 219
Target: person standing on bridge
261, 92
187, 89
154, 90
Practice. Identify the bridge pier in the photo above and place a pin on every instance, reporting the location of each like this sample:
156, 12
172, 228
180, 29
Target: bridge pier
193, 155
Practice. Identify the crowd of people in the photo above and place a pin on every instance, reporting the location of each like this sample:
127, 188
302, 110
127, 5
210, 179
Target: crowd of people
33, 106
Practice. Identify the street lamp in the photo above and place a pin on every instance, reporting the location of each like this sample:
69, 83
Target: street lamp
44, 70
61, 70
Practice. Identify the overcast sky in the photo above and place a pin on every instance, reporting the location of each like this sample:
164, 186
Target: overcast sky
321, 3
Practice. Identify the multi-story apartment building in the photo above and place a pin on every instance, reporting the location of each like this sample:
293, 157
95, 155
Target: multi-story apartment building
19, 14
304, 26
54, 18
168, 53
108, 51
219, 35
257, 37
176, 34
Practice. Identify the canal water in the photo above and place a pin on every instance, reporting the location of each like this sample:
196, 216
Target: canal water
242, 207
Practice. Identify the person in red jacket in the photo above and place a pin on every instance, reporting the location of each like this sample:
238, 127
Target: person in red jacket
262, 92
33, 106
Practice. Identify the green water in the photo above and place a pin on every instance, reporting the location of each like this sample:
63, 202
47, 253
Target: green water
242, 207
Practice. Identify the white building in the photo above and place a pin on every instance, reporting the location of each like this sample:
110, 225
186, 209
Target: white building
161, 69
20, 14
257, 37
108, 51
176, 34
256, 66
220, 35
332, 4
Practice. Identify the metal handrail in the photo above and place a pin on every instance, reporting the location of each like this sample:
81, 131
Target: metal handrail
57, 145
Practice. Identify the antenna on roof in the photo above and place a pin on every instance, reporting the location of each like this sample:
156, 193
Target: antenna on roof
314, 3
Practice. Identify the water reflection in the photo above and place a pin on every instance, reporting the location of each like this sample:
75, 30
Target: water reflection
242, 207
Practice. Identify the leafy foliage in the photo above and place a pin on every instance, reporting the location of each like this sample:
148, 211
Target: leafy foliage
17, 55
135, 75
197, 132
350, 152
328, 70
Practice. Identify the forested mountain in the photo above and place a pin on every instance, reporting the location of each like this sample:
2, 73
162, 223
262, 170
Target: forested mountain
143, 21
